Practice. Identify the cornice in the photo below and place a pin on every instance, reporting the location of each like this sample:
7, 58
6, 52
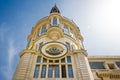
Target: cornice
103, 57
81, 51
27, 51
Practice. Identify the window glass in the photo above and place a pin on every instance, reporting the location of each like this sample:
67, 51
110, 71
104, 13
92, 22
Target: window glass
68, 46
54, 21
118, 64
36, 73
66, 30
38, 59
57, 71
29, 41
37, 35
43, 72
96, 65
43, 31
40, 45
50, 72
50, 61
70, 71
68, 59
56, 61
63, 70
44, 60
63, 60
80, 43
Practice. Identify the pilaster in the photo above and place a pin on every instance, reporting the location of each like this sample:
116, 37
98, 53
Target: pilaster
24, 67
82, 67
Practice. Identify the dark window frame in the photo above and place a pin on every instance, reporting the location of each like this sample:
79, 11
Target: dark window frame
96, 65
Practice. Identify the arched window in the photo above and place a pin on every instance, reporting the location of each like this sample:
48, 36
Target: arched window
81, 43
40, 45
66, 30
54, 21
29, 41
37, 35
68, 46
43, 31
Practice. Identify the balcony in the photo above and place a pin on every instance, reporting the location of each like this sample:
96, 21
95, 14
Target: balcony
111, 74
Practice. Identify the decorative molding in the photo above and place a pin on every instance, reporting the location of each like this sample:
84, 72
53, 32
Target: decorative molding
27, 51
82, 51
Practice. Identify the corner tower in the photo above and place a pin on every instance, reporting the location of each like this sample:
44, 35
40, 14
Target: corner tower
54, 51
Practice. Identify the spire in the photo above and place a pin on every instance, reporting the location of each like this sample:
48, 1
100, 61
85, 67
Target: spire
55, 9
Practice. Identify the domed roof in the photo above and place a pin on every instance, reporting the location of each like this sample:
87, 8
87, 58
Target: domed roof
55, 9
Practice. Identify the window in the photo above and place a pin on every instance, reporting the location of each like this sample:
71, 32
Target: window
38, 59
81, 43
37, 35
43, 72
40, 45
43, 31
68, 46
70, 71
50, 61
68, 59
53, 68
44, 60
118, 64
36, 73
66, 30
29, 41
96, 65
56, 61
63, 70
50, 71
63, 60
54, 21
57, 71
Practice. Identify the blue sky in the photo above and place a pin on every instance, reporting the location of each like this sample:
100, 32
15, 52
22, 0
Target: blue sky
98, 21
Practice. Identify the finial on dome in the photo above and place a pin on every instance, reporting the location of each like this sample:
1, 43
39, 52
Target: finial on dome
55, 9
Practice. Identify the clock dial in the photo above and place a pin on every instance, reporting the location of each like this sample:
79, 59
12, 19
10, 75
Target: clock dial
54, 49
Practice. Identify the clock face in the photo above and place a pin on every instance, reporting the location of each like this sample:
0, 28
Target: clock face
54, 49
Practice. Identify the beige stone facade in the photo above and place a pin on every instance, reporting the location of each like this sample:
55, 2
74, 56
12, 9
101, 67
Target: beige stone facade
110, 67
55, 51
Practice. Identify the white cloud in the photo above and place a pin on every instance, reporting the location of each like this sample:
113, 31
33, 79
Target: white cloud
11, 53
7, 70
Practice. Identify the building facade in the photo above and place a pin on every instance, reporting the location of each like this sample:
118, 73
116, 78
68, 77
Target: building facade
55, 51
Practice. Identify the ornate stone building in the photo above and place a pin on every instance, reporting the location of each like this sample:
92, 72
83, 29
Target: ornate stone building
55, 51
